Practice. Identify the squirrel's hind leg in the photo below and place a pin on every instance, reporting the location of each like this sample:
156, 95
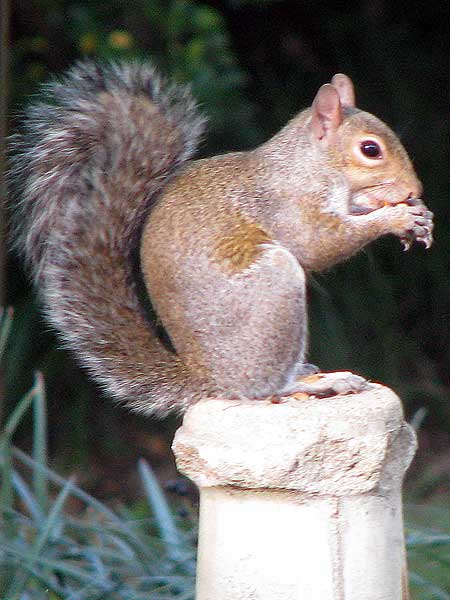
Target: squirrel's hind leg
257, 326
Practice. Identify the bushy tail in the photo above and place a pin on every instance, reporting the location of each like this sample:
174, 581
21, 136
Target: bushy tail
90, 160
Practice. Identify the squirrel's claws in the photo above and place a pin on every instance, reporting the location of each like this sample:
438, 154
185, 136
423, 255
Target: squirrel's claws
422, 231
426, 241
406, 243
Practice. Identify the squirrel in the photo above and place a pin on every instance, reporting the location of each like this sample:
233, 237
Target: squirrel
105, 180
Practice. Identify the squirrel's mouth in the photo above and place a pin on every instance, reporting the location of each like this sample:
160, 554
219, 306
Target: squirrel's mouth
368, 200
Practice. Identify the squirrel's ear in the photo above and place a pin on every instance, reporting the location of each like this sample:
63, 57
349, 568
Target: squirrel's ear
326, 113
345, 89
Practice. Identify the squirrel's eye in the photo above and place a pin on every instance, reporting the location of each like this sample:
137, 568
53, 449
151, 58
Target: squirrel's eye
371, 149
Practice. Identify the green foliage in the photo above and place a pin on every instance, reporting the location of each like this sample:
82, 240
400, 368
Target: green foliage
428, 541
187, 40
49, 549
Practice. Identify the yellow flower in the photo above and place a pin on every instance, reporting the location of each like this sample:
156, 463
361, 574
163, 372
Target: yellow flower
121, 40
88, 43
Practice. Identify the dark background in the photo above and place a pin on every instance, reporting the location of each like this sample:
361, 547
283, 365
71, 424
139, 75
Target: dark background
253, 65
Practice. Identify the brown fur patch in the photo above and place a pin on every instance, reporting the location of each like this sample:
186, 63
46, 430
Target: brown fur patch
242, 246
139, 102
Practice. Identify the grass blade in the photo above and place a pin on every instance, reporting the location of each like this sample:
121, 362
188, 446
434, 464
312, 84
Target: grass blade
40, 482
17, 415
428, 540
21, 579
5, 328
164, 518
436, 593
6, 489
26, 497
121, 525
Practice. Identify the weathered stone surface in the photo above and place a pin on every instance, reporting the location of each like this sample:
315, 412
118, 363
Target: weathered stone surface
336, 446
300, 500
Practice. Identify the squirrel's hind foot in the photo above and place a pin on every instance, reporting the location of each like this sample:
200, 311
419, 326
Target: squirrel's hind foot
324, 385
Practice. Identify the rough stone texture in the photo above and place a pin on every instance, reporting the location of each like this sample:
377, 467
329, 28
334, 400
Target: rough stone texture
299, 500
336, 446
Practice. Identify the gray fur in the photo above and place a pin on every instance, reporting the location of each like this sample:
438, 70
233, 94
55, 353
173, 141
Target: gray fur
83, 178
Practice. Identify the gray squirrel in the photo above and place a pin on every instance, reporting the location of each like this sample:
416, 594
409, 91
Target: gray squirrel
103, 167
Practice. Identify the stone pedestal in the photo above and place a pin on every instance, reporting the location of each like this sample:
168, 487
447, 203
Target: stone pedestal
299, 500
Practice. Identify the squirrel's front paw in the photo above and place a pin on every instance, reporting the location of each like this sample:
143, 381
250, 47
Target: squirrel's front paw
414, 223
324, 385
